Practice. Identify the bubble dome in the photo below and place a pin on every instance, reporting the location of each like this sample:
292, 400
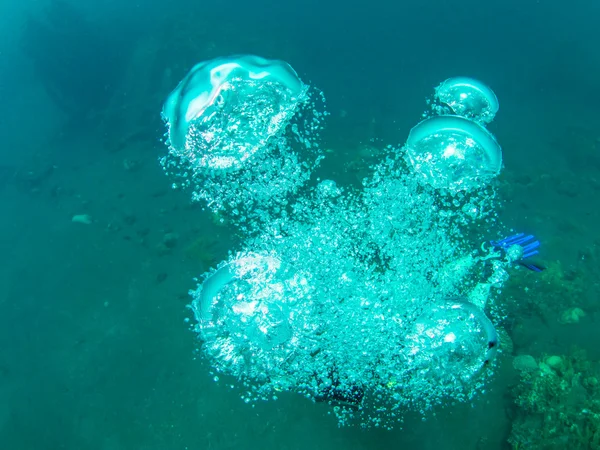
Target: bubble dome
246, 97
469, 98
454, 153
371, 299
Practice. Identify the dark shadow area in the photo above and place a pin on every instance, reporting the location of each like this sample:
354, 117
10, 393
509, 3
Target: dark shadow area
77, 62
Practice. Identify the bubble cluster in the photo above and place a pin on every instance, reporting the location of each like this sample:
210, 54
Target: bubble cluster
369, 299
237, 122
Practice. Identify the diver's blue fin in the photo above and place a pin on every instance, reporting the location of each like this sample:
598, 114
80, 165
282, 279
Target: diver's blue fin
529, 244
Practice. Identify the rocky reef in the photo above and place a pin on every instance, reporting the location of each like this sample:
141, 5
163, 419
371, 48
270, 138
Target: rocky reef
557, 402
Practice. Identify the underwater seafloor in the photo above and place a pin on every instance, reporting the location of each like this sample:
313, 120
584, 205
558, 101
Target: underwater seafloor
95, 352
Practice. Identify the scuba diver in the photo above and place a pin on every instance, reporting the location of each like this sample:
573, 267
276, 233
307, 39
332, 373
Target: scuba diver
515, 249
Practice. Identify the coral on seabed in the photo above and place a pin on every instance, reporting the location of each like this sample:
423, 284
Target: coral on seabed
558, 404
571, 315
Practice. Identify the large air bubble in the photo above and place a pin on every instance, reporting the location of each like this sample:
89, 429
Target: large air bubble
446, 348
468, 98
226, 110
454, 153
245, 312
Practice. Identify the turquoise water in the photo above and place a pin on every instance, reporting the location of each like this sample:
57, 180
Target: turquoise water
95, 351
